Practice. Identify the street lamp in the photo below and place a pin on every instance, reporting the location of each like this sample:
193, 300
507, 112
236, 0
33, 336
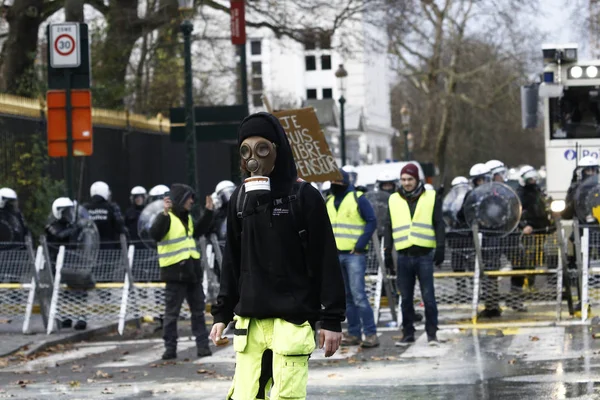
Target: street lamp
405, 116
341, 75
186, 7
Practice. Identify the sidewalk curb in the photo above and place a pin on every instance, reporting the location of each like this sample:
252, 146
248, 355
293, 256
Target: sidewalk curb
72, 338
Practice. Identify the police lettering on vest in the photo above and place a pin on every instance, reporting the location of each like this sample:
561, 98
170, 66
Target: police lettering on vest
347, 223
177, 245
415, 231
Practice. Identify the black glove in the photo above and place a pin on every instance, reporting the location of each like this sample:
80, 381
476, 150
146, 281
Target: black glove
438, 257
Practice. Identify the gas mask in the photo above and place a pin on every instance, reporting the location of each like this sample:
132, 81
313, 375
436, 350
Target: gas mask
67, 214
259, 155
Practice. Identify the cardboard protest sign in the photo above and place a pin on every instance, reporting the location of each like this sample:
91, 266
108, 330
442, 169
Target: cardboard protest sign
314, 160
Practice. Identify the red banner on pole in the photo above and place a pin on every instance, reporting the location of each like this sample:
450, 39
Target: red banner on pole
238, 22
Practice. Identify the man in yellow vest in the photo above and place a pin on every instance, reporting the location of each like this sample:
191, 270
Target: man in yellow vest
353, 220
417, 232
175, 234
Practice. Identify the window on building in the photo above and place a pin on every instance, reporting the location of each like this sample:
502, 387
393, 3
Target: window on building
311, 63
257, 84
325, 41
311, 93
327, 93
256, 47
256, 68
325, 62
257, 100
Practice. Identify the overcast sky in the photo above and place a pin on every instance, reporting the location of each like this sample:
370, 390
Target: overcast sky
559, 24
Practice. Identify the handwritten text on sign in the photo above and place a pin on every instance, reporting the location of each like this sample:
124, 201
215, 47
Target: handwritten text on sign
314, 160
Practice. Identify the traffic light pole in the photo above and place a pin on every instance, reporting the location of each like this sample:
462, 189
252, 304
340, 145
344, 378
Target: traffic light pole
190, 126
69, 118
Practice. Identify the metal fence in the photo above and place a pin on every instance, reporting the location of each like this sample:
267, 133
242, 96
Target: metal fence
528, 276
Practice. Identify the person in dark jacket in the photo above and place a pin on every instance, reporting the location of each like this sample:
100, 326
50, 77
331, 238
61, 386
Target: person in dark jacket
416, 229
12, 224
277, 282
137, 198
107, 216
179, 259
354, 222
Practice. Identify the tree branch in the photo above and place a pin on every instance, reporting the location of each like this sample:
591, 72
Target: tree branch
99, 6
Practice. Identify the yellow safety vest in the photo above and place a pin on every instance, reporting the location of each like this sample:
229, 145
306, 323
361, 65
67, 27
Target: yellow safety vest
415, 231
177, 245
346, 221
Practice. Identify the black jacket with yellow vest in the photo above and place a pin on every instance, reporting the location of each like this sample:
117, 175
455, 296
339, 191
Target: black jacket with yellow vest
189, 270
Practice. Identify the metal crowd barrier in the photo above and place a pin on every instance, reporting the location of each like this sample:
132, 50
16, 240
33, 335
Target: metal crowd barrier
518, 269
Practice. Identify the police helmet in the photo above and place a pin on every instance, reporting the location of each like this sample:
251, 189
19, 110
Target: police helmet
101, 189
6, 195
60, 205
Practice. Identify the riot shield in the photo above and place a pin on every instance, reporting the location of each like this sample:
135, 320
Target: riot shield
452, 204
146, 220
379, 201
587, 201
494, 207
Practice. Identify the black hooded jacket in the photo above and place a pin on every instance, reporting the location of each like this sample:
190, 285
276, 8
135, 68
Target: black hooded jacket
265, 273
189, 270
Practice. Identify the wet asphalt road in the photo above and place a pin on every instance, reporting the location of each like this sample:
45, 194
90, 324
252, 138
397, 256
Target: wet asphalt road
514, 363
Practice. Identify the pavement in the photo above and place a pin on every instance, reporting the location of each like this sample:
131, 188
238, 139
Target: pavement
12, 339
552, 362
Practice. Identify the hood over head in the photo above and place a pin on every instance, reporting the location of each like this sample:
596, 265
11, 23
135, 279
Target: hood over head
179, 195
345, 177
268, 126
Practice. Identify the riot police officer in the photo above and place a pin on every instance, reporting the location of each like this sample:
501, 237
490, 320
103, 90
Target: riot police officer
158, 192
498, 171
106, 214
12, 224
137, 198
535, 219
62, 230
587, 166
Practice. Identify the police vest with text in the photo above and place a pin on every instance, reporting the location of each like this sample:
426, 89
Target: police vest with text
178, 244
417, 230
346, 221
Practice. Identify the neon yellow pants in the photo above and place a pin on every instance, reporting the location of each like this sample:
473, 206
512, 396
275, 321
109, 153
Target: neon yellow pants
291, 345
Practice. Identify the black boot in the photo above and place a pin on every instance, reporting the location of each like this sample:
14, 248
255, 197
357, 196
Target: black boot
169, 354
81, 325
204, 350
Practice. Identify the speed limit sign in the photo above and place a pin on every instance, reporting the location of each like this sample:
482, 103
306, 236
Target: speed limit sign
64, 45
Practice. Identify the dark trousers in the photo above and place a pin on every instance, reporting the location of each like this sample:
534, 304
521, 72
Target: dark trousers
409, 269
175, 293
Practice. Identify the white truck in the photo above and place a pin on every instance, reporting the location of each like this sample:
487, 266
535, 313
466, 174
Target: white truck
571, 114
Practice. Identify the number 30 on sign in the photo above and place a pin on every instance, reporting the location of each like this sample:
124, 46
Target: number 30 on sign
64, 45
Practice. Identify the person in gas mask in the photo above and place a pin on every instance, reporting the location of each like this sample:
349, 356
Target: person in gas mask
176, 234
13, 229
137, 198
106, 215
416, 231
281, 272
535, 220
354, 221
62, 230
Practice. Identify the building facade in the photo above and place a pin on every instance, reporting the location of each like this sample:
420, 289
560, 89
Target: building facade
294, 74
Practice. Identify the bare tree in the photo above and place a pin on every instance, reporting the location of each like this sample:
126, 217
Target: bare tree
428, 40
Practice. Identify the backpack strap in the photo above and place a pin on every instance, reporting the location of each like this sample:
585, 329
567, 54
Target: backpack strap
298, 220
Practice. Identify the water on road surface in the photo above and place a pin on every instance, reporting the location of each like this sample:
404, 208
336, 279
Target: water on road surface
512, 363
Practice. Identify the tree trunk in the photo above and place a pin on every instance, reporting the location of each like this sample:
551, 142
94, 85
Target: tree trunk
113, 59
19, 50
74, 10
